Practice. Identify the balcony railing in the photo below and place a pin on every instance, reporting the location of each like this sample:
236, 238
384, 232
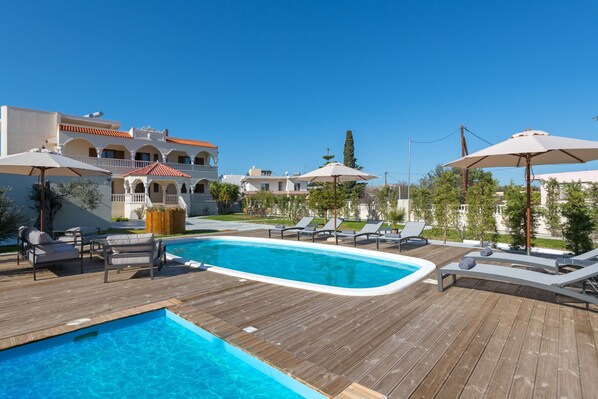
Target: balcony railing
171, 199
126, 165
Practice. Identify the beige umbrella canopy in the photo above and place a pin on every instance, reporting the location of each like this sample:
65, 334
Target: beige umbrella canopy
334, 173
532, 147
42, 162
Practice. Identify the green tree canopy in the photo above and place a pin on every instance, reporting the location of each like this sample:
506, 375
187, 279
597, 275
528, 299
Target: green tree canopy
579, 223
225, 195
446, 201
481, 206
551, 212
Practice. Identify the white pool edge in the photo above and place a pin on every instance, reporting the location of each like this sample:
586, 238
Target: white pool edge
425, 267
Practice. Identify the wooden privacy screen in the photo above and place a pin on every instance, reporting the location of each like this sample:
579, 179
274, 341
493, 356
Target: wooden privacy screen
165, 221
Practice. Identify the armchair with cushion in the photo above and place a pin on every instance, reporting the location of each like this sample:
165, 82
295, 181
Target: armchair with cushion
132, 250
78, 236
41, 250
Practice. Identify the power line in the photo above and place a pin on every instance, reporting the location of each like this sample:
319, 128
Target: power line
435, 141
483, 139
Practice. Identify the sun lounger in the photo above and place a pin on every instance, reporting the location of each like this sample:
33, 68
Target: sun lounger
328, 229
127, 250
412, 231
371, 228
42, 251
559, 284
303, 223
553, 265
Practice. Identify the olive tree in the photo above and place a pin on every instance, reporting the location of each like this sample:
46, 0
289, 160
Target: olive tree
10, 215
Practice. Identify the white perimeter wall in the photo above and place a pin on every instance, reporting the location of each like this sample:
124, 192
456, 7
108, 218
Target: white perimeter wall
28, 129
71, 213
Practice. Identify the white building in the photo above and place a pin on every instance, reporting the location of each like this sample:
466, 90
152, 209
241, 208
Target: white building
263, 180
586, 177
186, 166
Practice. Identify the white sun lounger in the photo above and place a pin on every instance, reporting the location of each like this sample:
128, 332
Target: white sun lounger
544, 281
582, 260
411, 231
303, 223
328, 229
371, 228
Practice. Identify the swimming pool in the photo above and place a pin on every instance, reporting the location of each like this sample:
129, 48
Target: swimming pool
156, 354
318, 267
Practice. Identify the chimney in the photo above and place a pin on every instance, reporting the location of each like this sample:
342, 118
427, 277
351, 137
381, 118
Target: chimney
165, 132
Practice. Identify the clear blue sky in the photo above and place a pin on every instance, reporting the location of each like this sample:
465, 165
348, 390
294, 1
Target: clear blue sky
274, 83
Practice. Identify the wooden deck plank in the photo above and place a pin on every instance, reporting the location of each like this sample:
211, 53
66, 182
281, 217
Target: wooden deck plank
569, 383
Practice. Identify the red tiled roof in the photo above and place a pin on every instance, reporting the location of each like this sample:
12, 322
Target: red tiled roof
92, 130
157, 169
126, 135
190, 142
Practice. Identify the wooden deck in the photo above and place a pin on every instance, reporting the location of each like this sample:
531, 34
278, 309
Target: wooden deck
476, 339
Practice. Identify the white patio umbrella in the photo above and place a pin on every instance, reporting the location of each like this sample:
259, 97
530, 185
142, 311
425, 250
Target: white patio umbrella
334, 173
532, 147
42, 163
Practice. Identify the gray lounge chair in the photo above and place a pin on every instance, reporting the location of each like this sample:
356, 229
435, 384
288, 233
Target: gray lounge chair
127, 250
411, 231
554, 265
303, 223
549, 282
328, 229
371, 228
42, 251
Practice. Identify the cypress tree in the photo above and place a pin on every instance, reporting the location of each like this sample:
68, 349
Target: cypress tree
349, 150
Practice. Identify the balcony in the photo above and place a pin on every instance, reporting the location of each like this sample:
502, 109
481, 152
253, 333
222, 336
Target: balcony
122, 166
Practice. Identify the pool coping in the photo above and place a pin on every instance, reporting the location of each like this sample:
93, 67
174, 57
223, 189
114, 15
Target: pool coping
425, 267
328, 384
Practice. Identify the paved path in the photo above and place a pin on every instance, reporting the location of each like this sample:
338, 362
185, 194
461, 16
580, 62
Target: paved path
198, 223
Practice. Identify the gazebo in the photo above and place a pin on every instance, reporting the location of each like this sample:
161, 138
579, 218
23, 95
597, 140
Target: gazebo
156, 184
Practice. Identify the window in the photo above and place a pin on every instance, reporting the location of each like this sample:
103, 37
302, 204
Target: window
113, 154
280, 186
265, 187
184, 159
200, 161
297, 187
156, 188
93, 153
200, 188
156, 157
266, 173
142, 156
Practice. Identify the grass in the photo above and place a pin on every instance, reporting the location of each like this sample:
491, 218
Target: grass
433, 233
8, 248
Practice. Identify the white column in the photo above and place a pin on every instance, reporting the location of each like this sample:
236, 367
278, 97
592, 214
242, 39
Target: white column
164, 157
132, 155
146, 187
164, 193
99, 152
59, 149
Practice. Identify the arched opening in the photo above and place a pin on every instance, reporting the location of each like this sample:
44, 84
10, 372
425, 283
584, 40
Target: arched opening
204, 158
177, 156
79, 148
202, 187
171, 189
148, 153
184, 189
139, 188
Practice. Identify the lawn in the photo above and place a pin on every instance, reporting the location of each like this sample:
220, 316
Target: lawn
433, 233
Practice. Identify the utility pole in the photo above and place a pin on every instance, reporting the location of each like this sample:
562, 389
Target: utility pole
464, 152
409, 182
385, 178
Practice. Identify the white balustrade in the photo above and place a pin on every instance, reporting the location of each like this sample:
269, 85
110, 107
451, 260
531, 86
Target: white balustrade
118, 197
125, 165
172, 199
138, 198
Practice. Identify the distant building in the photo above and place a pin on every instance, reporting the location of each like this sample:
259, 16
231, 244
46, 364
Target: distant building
149, 167
586, 177
263, 180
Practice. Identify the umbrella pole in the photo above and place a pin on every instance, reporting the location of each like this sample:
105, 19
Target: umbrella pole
42, 202
334, 202
528, 224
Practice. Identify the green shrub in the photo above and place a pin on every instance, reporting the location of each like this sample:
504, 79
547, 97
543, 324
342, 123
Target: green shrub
579, 223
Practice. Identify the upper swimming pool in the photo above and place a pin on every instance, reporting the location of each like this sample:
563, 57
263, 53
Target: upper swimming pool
319, 267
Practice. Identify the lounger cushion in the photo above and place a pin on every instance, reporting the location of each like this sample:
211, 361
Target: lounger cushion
130, 259
60, 252
76, 240
141, 242
467, 263
81, 230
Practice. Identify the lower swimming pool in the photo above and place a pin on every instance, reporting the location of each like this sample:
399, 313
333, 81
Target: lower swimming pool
153, 355
319, 267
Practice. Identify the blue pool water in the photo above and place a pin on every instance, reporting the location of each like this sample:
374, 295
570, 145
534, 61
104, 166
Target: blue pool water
309, 265
156, 357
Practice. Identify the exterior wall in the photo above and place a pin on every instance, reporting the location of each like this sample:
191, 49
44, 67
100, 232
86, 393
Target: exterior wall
71, 214
28, 129
288, 184
585, 177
